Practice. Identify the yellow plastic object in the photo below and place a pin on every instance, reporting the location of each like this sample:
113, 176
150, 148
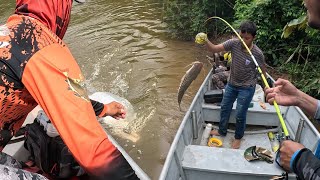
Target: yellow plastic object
201, 38
275, 146
274, 142
214, 142
227, 57
271, 136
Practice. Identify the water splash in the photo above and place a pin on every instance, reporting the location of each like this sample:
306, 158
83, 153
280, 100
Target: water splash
117, 127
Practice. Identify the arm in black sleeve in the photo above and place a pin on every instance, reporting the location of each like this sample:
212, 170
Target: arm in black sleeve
97, 107
307, 165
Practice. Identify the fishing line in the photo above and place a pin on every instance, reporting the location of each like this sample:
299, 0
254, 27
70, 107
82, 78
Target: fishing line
283, 125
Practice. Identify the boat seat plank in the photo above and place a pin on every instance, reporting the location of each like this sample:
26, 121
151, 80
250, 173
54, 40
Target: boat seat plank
256, 107
256, 115
222, 160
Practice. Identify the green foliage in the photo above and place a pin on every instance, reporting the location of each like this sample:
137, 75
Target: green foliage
270, 17
286, 40
186, 18
295, 24
306, 77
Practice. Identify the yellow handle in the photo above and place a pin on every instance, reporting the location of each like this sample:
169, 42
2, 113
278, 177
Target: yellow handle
271, 136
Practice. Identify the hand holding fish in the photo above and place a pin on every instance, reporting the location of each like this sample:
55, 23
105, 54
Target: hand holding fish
115, 110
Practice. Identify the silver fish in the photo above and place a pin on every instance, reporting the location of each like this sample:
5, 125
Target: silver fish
187, 79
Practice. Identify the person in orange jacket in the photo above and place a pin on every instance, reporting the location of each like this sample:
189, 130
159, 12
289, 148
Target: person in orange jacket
37, 68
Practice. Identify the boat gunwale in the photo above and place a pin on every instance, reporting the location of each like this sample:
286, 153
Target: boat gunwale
180, 130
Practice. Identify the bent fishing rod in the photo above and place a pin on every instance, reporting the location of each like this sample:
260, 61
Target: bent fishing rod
283, 124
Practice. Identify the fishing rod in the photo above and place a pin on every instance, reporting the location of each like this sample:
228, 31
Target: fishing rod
283, 124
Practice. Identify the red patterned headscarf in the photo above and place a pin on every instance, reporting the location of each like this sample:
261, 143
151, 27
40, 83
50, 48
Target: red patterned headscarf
55, 14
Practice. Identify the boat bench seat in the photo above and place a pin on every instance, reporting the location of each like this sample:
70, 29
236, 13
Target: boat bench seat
256, 115
224, 161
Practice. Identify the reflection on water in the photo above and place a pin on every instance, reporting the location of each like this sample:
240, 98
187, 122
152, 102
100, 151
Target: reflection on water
122, 48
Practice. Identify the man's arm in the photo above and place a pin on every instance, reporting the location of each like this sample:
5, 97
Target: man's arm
97, 107
308, 104
215, 48
202, 38
264, 70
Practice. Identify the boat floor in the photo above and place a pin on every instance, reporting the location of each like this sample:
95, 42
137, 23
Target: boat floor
260, 140
248, 140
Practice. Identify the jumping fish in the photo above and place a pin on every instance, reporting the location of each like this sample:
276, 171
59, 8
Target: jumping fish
187, 79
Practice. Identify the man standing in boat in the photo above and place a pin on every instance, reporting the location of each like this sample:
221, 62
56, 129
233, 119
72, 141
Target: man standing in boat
36, 67
294, 156
242, 80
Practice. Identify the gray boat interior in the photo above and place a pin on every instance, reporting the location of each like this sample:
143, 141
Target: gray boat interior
188, 160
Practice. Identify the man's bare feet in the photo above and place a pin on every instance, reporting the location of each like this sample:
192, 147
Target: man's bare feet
236, 143
215, 132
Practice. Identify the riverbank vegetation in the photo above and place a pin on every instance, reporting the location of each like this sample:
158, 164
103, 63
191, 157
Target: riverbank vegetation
290, 46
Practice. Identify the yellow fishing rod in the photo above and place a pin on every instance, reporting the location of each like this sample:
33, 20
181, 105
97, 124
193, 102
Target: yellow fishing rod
283, 124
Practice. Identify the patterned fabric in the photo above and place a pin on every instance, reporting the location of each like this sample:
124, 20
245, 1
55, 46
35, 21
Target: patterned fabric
243, 69
55, 14
11, 173
306, 165
219, 80
21, 38
10, 168
7, 160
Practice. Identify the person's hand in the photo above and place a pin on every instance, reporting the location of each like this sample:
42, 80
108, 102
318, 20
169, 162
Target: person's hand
115, 110
288, 148
284, 93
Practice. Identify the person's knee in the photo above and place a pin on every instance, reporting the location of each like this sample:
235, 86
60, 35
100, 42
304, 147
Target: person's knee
241, 108
240, 119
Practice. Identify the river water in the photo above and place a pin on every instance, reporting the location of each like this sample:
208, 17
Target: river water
123, 47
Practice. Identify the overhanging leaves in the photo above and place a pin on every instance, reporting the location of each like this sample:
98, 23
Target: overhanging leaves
300, 23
